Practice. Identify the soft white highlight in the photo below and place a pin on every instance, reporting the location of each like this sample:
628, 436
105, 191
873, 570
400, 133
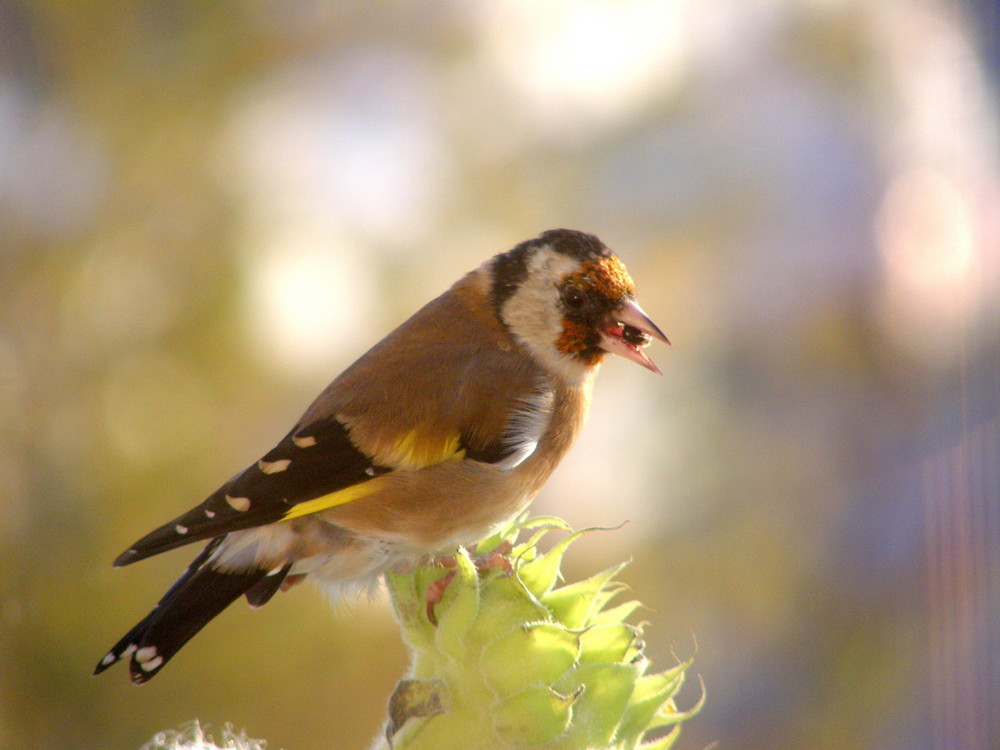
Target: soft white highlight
527, 425
243, 550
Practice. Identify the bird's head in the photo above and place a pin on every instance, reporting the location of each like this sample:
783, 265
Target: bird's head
568, 299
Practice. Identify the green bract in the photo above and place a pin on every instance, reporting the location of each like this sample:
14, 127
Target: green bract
515, 661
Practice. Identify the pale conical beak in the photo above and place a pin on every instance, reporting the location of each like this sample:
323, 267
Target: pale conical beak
628, 331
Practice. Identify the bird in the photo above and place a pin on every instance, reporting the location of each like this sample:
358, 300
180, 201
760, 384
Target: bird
442, 431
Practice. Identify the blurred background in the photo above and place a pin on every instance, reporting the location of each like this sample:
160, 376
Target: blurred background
207, 210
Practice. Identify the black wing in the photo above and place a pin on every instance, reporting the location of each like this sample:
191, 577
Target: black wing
309, 462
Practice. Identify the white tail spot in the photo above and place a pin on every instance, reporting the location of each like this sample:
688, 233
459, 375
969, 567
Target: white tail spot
149, 666
209, 513
181, 529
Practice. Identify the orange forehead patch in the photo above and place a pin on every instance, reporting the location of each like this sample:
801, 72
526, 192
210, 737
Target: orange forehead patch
607, 275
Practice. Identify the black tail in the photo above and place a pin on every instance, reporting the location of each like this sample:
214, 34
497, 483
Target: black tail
198, 596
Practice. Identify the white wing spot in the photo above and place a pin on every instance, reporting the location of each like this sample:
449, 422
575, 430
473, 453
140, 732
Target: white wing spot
273, 467
238, 503
209, 513
149, 666
304, 442
370, 471
144, 654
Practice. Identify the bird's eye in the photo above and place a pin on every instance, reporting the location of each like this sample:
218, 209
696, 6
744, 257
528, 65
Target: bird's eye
574, 299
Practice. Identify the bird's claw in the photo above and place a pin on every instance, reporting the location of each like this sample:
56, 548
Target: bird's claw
497, 558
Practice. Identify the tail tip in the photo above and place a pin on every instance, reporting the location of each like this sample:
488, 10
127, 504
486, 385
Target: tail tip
126, 557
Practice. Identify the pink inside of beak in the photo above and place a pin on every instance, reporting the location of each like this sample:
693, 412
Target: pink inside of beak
613, 341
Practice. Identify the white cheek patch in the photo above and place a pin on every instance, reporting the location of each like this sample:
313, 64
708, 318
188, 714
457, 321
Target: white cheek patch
533, 315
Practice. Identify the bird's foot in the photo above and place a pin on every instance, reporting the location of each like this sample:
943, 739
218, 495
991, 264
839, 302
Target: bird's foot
497, 558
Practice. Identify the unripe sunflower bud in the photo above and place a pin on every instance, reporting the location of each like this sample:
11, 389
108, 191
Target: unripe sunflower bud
508, 659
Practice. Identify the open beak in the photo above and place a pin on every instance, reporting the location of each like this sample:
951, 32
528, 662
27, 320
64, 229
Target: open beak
628, 331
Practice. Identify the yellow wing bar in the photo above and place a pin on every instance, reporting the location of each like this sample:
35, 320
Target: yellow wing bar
325, 502
416, 450
412, 451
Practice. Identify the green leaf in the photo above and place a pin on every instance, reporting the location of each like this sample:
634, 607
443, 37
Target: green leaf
537, 654
664, 743
607, 643
601, 706
445, 731
403, 595
616, 614
504, 604
609, 592
651, 694
501, 535
678, 670
533, 717
510, 532
573, 603
542, 522
541, 574
458, 608
527, 550
409, 603
671, 715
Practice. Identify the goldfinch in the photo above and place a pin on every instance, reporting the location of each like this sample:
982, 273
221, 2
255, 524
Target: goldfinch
447, 427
